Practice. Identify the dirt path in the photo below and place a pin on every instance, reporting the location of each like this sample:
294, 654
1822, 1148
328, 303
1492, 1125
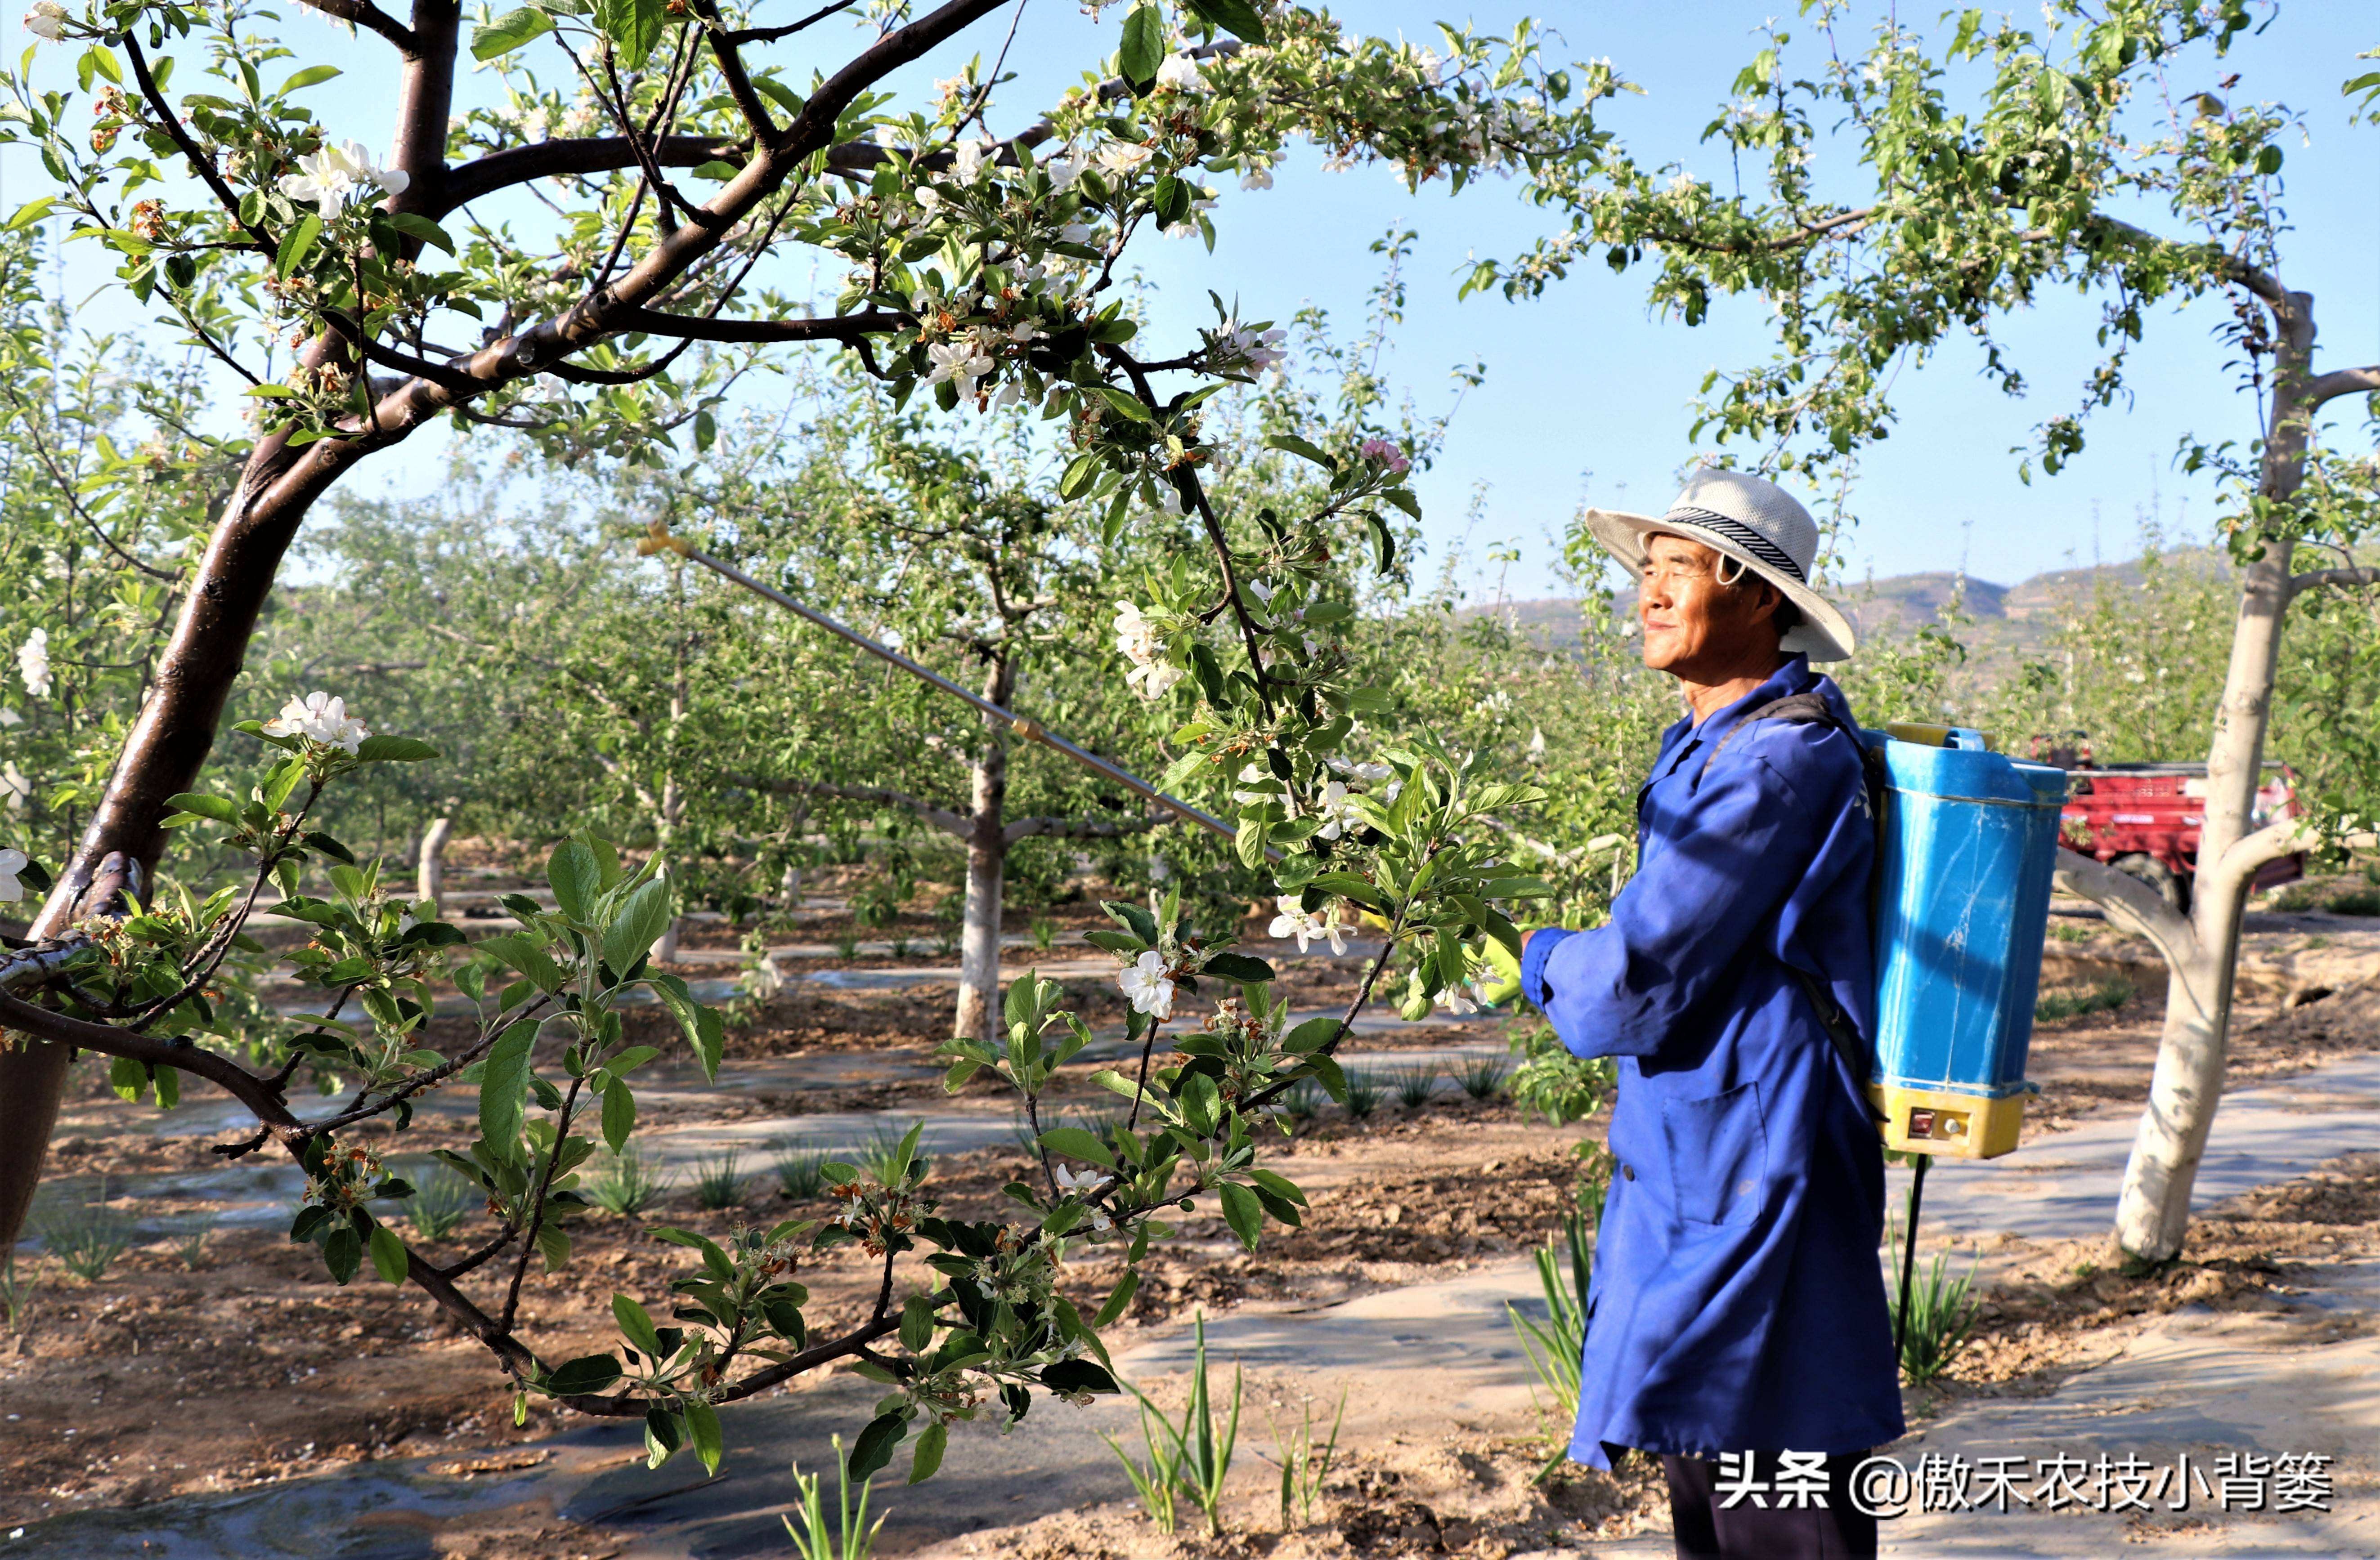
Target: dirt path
250, 1372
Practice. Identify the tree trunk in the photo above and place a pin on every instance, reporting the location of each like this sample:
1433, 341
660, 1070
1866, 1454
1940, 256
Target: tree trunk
429, 872
162, 755
2153, 1212
987, 843
664, 948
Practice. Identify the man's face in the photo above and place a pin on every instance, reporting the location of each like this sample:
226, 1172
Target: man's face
1694, 627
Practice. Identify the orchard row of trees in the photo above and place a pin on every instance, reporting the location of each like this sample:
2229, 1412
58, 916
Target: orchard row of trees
1157, 547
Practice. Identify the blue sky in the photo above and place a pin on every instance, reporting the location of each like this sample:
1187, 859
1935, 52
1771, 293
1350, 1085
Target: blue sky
1586, 396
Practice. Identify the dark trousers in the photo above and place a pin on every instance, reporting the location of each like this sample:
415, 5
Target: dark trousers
1744, 1531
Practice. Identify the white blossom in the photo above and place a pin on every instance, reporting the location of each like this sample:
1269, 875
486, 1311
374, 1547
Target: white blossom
1537, 742
1180, 74
335, 174
1123, 158
15, 785
34, 663
1294, 922
1459, 999
1370, 774
1256, 179
1137, 635
1154, 681
1147, 986
9, 718
1075, 233
46, 22
1083, 1183
969, 158
962, 362
1258, 349
322, 718
1338, 811
1063, 171
11, 863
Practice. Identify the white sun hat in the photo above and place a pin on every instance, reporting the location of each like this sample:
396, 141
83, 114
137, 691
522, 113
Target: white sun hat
1757, 523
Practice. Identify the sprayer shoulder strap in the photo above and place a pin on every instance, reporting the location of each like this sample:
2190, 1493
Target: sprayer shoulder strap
1811, 709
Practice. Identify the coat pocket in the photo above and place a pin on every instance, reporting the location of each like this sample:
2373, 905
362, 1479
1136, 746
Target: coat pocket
1719, 1156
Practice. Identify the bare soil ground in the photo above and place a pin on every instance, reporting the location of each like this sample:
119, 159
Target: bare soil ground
251, 1366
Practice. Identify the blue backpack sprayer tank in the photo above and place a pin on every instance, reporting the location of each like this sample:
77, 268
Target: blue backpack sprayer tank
1968, 845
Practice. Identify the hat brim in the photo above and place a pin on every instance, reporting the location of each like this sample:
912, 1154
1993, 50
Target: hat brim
1823, 635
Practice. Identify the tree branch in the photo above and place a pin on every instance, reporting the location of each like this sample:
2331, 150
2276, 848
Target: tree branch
594, 154
770, 34
2343, 578
839, 327
943, 818
363, 13
192, 153
2131, 906
1083, 829
2342, 381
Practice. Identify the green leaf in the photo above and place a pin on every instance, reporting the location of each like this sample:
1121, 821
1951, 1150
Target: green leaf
572, 873
661, 1436
784, 96
634, 25
928, 1456
1077, 1375
388, 1254
1123, 402
525, 956
29, 214
343, 1253
1242, 1213
298, 245
309, 77
588, 1373
509, 32
394, 750
640, 920
1298, 446
1144, 46
703, 1428
1236, 16
1239, 967
917, 1323
1074, 1143
637, 1326
414, 225
1118, 1298
218, 809
619, 1114
505, 1075
874, 1447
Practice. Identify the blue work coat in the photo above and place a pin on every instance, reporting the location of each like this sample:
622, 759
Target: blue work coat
1737, 1299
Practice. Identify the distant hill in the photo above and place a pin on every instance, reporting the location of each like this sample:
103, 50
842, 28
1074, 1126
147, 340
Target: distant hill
2005, 621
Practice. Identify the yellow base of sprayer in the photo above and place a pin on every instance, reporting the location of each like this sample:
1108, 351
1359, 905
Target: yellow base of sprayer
1939, 1121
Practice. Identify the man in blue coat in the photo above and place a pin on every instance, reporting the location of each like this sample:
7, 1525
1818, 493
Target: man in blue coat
1736, 1320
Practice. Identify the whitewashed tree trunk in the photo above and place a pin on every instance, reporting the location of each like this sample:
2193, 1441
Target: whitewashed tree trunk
430, 868
672, 810
987, 848
2201, 953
